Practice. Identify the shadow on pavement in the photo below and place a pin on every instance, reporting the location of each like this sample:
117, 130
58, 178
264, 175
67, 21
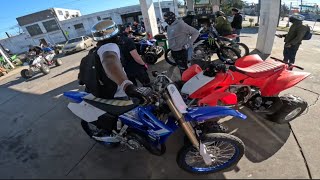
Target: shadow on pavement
66, 71
261, 137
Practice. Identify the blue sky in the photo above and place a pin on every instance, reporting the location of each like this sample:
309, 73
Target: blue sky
10, 9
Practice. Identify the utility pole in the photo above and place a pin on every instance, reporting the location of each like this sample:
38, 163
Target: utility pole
2, 52
259, 7
301, 7
160, 10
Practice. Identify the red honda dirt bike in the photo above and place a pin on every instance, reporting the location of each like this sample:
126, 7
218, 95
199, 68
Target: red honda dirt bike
251, 82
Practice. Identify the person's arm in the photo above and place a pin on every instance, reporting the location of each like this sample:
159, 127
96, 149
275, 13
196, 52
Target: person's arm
193, 32
133, 52
137, 57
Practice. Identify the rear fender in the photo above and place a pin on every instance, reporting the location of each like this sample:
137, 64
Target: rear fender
226, 98
247, 61
208, 112
285, 80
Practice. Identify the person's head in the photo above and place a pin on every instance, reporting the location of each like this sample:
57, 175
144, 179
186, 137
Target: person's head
234, 11
105, 31
219, 13
128, 29
169, 17
296, 18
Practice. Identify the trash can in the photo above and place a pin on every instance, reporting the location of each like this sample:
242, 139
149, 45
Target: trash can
162, 41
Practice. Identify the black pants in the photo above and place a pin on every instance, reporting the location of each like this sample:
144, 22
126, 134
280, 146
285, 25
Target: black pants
289, 53
181, 58
141, 75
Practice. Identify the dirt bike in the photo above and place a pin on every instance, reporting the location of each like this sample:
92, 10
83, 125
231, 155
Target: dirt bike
208, 44
124, 122
40, 63
251, 82
148, 50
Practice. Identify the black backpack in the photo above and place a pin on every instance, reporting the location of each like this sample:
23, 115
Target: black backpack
308, 34
92, 75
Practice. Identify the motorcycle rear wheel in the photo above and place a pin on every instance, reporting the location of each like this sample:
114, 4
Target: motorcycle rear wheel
169, 59
292, 107
190, 160
241, 48
150, 58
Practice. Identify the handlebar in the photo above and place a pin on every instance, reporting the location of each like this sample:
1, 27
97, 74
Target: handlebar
290, 65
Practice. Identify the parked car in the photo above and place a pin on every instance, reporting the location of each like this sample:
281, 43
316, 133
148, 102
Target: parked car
77, 44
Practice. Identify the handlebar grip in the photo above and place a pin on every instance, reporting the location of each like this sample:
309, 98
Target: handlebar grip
235, 69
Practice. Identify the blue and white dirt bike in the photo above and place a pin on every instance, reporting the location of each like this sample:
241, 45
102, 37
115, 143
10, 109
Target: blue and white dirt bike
116, 122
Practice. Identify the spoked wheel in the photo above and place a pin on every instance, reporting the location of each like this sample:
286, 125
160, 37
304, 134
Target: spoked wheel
228, 55
92, 130
241, 48
25, 73
45, 69
225, 151
292, 107
169, 58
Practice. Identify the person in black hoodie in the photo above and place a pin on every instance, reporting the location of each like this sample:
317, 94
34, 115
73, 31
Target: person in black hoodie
236, 24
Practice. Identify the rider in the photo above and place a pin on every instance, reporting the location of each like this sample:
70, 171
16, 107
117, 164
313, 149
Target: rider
181, 37
223, 26
114, 79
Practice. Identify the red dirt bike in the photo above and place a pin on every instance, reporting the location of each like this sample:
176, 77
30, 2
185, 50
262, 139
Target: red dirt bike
251, 82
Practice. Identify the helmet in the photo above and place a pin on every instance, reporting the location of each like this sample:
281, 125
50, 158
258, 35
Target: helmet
220, 13
297, 17
103, 30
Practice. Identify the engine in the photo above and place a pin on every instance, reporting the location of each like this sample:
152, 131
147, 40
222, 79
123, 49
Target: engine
243, 92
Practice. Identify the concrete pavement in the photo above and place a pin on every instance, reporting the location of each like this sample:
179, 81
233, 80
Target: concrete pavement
41, 138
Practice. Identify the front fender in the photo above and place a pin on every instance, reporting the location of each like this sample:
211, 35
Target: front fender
209, 112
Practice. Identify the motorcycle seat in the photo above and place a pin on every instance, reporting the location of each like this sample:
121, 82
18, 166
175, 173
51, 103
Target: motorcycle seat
112, 106
263, 69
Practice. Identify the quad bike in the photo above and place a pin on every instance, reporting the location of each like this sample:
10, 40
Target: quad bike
208, 44
148, 50
251, 82
40, 63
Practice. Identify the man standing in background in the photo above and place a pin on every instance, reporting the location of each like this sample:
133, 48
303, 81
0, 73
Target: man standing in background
236, 23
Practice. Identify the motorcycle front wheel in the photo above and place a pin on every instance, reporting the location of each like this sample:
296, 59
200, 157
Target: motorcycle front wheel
228, 55
241, 48
45, 69
225, 150
26, 74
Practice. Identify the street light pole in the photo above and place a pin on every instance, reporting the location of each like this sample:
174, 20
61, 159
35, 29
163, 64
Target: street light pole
160, 10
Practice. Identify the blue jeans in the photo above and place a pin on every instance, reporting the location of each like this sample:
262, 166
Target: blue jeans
190, 52
237, 31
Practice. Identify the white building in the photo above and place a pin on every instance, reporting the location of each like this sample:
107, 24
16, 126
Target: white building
82, 25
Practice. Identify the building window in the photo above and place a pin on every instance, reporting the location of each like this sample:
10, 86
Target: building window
165, 10
77, 14
60, 12
78, 26
51, 25
107, 18
67, 13
99, 18
34, 30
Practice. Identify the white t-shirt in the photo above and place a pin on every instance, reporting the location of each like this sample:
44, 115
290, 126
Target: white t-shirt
114, 48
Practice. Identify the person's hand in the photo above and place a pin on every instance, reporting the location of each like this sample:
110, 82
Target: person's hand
145, 94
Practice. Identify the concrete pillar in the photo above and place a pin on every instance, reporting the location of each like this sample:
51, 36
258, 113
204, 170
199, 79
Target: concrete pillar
190, 5
149, 16
269, 14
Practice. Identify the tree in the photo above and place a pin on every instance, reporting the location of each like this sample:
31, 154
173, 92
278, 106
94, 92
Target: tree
227, 5
284, 11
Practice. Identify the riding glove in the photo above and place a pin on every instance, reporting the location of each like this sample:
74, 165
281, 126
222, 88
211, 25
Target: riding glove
145, 94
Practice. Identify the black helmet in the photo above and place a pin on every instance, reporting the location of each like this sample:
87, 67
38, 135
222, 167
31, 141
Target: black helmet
103, 30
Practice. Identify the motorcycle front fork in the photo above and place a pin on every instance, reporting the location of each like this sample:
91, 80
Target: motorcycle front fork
186, 126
